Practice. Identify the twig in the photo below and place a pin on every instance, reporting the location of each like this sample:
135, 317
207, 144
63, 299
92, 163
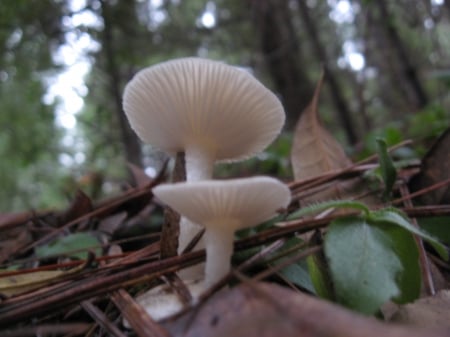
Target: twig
101, 319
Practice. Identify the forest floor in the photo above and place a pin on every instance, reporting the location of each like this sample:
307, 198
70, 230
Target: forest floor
78, 271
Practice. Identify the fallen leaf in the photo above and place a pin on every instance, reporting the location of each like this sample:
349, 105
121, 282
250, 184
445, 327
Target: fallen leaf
267, 310
21, 283
431, 311
74, 245
315, 151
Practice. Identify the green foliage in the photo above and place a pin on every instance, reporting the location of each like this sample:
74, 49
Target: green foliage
438, 227
74, 245
428, 124
342, 204
273, 161
372, 257
394, 217
388, 171
296, 272
371, 263
320, 278
28, 136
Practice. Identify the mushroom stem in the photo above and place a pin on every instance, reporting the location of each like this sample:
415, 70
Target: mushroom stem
219, 248
199, 166
199, 163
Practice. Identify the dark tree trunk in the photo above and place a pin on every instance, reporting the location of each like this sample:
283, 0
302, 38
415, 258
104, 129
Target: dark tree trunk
409, 72
131, 145
343, 111
279, 45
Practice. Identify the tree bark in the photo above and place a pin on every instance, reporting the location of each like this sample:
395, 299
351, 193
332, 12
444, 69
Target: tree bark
343, 111
280, 49
131, 145
419, 96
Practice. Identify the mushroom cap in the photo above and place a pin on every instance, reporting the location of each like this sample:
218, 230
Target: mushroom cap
241, 203
195, 102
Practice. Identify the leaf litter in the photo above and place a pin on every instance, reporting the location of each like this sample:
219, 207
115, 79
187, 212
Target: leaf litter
123, 255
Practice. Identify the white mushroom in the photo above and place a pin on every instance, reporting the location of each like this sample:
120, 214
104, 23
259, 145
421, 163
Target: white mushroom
208, 110
223, 207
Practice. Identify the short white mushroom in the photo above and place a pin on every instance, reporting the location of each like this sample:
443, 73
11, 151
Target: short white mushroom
224, 206
209, 110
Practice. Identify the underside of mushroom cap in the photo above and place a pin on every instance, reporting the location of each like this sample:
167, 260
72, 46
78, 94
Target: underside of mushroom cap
194, 102
240, 203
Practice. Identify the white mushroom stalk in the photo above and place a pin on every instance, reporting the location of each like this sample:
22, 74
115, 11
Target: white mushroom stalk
207, 109
224, 207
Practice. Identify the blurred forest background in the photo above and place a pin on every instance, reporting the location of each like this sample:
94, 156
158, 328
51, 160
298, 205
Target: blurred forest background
64, 64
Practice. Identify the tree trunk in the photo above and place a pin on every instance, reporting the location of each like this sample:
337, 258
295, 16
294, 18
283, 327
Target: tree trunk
280, 49
343, 111
418, 95
131, 145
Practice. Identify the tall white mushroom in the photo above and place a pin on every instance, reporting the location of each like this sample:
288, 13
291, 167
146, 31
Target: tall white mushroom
224, 206
207, 109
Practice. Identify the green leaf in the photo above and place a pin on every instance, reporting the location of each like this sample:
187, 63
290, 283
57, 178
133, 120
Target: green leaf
73, 245
320, 277
394, 217
327, 205
296, 272
368, 263
438, 226
388, 171
404, 245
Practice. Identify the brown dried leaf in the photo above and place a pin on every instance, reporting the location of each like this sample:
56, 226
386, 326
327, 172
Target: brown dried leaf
428, 312
265, 310
315, 151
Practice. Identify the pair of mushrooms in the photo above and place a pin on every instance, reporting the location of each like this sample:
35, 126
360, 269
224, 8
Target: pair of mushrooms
212, 112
